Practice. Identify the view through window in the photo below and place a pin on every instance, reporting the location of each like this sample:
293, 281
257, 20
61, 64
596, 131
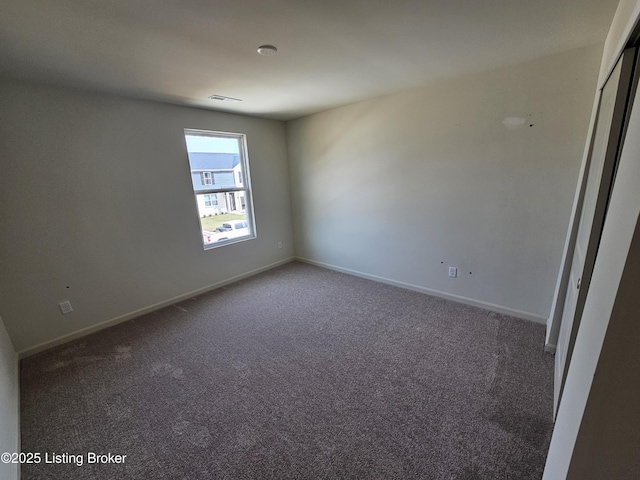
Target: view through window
219, 174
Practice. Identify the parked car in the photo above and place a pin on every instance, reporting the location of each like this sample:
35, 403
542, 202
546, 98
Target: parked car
227, 231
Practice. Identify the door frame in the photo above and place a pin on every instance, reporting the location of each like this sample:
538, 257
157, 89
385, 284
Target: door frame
625, 91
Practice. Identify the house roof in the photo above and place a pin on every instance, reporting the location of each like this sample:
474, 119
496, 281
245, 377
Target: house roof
213, 161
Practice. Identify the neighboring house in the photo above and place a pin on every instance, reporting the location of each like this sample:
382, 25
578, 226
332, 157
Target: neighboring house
217, 171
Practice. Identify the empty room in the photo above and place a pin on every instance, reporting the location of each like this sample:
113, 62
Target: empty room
319, 240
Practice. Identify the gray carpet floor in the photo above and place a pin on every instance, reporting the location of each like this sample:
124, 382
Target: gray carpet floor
296, 373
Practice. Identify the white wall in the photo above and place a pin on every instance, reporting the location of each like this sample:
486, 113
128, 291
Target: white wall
97, 207
9, 403
402, 186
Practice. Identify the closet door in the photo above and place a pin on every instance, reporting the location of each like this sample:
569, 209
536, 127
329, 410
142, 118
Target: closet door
607, 140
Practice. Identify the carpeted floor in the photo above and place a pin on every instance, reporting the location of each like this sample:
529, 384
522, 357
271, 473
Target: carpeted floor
296, 373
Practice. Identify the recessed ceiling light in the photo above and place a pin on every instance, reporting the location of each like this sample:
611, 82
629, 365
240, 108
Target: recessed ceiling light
222, 98
267, 50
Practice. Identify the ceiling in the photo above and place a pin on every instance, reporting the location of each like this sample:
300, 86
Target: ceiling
330, 52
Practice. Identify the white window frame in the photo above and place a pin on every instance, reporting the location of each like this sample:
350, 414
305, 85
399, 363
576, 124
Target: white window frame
213, 200
244, 187
207, 178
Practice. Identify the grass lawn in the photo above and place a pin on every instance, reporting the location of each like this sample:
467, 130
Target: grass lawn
211, 223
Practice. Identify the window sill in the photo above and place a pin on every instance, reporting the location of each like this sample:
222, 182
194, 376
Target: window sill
230, 241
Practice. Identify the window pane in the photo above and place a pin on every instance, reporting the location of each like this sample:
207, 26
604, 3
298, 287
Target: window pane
218, 167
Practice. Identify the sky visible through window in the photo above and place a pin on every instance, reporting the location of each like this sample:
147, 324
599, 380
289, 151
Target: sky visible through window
200, 143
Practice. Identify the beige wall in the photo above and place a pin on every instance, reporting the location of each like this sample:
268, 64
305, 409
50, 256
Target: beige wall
9, 403
98, 208
402, 186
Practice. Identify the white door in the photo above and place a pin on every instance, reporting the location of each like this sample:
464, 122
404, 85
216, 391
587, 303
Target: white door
612, 112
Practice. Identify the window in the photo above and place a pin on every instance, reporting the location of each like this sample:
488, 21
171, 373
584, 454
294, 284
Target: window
210, 200
220, 177
207, 178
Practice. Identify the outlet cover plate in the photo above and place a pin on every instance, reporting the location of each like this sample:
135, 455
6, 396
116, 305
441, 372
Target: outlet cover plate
65, 307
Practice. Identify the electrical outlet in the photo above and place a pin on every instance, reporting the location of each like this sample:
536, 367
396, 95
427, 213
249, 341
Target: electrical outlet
65, 307
279, 244
453, 272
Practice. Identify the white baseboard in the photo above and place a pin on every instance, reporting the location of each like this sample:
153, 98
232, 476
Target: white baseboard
550, 348
449, 296
142, 311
